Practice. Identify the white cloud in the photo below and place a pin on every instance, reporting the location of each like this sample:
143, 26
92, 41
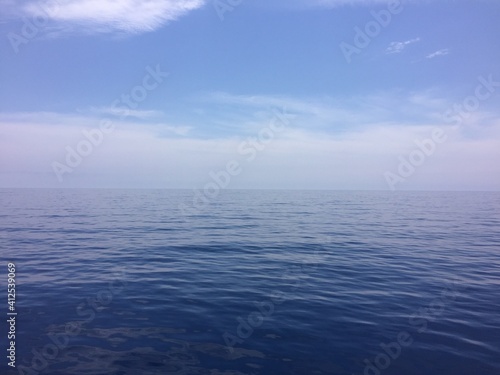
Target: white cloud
128, 16
441, 52
398, 47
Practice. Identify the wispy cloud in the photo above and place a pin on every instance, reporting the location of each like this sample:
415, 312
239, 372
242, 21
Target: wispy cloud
335, 3
143, 156
126, 112
338, 114
398, 47
332, 3
441, 52
369, 132
104, 16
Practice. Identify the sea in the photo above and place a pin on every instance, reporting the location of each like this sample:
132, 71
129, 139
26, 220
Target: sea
143, 282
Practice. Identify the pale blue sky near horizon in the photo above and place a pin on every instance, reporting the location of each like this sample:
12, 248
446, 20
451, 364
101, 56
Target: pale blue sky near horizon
352, 121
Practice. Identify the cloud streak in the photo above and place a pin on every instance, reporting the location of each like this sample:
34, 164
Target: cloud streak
441, 52
336, 3
398, 47
340, 113
126, 112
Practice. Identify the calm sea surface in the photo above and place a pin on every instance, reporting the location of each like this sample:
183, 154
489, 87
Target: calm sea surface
124, 282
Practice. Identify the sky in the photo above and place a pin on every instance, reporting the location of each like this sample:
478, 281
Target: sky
252, 94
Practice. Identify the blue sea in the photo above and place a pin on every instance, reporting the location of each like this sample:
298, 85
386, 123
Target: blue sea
125, 282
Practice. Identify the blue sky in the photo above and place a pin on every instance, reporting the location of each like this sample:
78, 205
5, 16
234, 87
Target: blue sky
351, 120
